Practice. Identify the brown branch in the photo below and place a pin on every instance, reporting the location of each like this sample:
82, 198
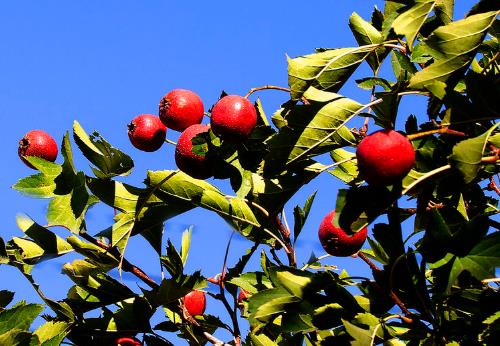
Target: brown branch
391, 293
126, 265
442, 130
285, 233
266, 87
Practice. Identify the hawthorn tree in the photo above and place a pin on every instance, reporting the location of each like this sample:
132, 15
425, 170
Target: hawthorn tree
435, 286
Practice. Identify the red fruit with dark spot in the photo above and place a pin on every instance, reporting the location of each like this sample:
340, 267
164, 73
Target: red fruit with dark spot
193, 164
336, 242
181, 108
195, 302
37, 143
146, 132
233, 118
385, 157
128, 341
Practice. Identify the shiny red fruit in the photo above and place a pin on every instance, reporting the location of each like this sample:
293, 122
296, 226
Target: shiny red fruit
385, 157
233, 118
193, 164
181, 108
335, 241
37, 143
195, 302
127, 341
146, 132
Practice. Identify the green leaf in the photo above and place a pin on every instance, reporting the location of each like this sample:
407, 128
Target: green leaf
179, 193
300, 215
444, 10
467, 155
371, 82
16, 337
409, 22
20, 316
295, 283
402, 66
52, 333
453, 47
41, 185
312, 130
5, 298
174, 289
366, 34
327, 70
69, 209
346, 168
109, 162
265, 305
261, 340
51, 244
480, 262
185, 244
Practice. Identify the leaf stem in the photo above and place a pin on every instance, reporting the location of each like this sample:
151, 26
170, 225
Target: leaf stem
266, 87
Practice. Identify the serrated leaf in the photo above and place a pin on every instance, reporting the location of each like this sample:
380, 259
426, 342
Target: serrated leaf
265, 305
402, 66
294, 283
453, 46
366, 34
327, 70
369, 83
20, 316
51, 244
52, 333
312, 130
480, 262
347, 170
108, 161
409, 22
467, 155
179, 192
300, 215
261, 340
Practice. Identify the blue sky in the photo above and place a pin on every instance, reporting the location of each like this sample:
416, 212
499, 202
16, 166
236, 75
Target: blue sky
104, 62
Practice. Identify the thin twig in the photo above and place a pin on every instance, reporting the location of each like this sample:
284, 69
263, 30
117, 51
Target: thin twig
368, 261
126, 265
442, 130
266, 87
170, 141
285, 233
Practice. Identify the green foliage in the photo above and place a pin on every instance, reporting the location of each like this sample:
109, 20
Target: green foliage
432, 284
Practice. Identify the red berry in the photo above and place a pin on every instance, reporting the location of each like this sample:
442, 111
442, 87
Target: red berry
147, 132
193, 164
385, 157
37, 143
181, 108
195, 302
335, 241
233, 118
127, 341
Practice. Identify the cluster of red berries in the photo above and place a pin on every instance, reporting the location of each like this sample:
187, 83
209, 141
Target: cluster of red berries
233, 118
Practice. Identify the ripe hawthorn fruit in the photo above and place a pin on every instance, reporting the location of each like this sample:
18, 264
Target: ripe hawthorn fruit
181, 108
195, 302
233, 118
193, 164
385, 157
128, 341
37, 143
146, 132
335, 241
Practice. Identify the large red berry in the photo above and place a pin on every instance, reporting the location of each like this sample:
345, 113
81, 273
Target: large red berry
128, 341
37, 143
194, 164
181, 108
335, 241
147, 132
385, 157
195, 302
233, 118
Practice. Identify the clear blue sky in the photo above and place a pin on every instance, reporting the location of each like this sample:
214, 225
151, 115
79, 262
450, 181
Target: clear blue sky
104, 62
